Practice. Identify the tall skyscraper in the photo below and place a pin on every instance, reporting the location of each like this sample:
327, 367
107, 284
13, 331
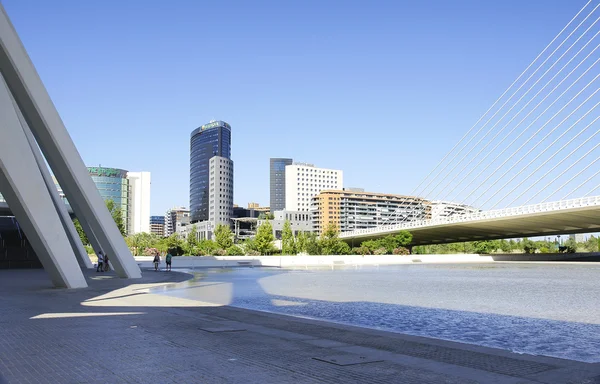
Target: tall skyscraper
210, 140
277, 183
305, 181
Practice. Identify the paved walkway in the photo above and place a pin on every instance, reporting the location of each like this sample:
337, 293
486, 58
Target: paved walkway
116, 332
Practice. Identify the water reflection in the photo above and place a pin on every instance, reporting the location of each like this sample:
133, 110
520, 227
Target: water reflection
530, 308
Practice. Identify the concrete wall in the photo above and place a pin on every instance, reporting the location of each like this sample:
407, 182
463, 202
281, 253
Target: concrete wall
354, 260
310, 261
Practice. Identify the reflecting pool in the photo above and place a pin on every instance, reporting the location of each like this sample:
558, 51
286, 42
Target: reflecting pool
542, 309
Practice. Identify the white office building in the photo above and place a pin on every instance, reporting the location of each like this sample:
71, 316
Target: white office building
220, 200
305, 181
139, 184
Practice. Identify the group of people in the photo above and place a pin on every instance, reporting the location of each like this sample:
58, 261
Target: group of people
167, 260
102, 262
103, 265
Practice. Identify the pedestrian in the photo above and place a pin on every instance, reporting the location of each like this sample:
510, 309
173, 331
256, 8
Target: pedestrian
156, 261
106, 266
168, 260
100, 267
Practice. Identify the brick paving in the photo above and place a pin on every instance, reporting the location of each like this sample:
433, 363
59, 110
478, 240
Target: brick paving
115, 331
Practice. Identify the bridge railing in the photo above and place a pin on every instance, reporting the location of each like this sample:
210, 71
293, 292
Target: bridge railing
482, 215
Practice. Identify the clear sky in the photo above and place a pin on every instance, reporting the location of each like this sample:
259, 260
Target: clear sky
379, 89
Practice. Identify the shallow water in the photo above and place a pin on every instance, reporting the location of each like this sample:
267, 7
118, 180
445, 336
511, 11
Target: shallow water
543, 309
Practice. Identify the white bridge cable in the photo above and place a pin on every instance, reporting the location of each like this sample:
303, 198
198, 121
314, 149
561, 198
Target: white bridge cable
530, 138
574, 177
535, 134
572, 45
586, 180
526, 128
415, 191
547, 160
557, 164
592, 190
536, 145
472, 169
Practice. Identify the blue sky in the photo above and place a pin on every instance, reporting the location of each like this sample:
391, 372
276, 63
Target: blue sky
380, 89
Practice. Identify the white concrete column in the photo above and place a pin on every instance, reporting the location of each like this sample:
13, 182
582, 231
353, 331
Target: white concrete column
23, 187
59, 150
61, 208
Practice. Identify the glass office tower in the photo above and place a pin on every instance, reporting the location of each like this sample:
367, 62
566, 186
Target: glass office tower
212, 139
113, 184
277, 183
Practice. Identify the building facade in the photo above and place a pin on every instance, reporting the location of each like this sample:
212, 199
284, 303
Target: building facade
277, 183
350, 210
447, 208
113, 184
139, 184
207, 141
175, 219
299, 222
305, 181
220, 204
157, 225
130, 191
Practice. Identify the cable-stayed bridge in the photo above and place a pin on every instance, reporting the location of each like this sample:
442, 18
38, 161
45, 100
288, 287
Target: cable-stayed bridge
529, 165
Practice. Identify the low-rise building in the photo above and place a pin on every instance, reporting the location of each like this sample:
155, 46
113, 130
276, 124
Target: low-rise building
352, 209
175, 219
157, 225
448, 208
299, 222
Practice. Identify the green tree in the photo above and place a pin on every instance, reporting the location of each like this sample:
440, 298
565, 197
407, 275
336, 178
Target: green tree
80, 232
484, 247
312, 245
570, 245
301, 242
288, 243
234, 250
206, 247
223, 236
505, 246
528, 246
264, 238
175, 245
591, 244
138, 242
403, 239
117, 215
330, 243
192, 240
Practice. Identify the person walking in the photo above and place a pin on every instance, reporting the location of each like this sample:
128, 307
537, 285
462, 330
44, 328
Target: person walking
100, 267
106, 266
156, 261
168, 260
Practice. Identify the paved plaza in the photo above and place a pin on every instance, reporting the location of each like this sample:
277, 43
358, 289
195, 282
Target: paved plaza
115, 331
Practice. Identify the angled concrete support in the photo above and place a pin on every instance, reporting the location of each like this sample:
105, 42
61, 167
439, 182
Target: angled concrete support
23, 187
59, 150
61, 208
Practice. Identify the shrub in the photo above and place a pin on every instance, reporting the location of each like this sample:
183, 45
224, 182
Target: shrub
401, 251
220, 252
234, 250
151, 252
380, 251
361, 251
252, 252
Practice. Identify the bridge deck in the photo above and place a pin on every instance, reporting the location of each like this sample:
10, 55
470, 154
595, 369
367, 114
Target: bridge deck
566, 217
